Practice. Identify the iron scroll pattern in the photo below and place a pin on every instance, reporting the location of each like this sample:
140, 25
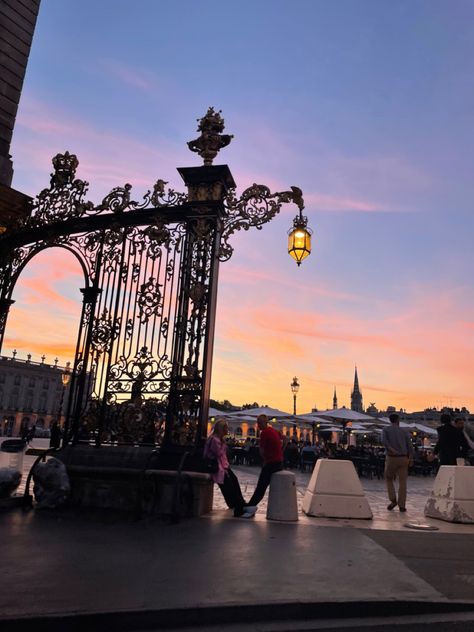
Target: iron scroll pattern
65, 197
256, 206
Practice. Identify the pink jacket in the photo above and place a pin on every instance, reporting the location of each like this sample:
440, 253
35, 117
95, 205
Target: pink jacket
217, 449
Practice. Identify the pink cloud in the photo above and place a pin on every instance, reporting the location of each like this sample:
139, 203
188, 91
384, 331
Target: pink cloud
106, 157
132, 76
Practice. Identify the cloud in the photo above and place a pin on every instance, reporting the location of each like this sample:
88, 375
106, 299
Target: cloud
131, 75
106, 157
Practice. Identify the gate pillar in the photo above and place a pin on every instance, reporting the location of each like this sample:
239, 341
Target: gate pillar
188, 404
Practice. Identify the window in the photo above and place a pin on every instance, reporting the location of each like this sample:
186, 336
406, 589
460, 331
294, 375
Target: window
46, 383
238, 432
17, 381
251, 432
42, 403
31, 382
13, 403
29, 400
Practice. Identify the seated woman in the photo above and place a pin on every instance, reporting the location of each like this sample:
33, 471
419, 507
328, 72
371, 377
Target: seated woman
216, 448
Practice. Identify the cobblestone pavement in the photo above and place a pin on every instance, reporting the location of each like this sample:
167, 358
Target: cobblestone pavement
419, 488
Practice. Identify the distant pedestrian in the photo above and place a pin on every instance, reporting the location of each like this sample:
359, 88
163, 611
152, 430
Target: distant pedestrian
31, 433
55, 435
463, 446
398, 457
452, 443
271, 450
216, 449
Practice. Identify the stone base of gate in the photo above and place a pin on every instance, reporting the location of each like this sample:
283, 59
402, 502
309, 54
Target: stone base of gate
149, 492
129, 479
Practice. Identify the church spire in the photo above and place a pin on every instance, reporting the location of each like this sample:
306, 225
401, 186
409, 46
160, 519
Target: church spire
356, 395
334, 400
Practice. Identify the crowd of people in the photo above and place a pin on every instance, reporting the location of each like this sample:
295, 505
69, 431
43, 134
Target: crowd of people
394, 459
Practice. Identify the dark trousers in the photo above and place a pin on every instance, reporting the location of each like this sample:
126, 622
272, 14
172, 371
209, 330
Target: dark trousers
232, 493
264, 481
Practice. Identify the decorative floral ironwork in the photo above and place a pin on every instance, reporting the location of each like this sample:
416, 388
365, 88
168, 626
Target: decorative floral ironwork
148, 294
256, 206
161, 197
104, 332
149, 300
65, 197
211, 140
143, 367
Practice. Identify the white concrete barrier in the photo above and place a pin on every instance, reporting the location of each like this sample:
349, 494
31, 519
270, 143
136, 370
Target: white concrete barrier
282, 503
335, 491
452, 498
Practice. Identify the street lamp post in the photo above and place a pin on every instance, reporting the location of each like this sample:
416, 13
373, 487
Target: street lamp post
65, 377
313, 433
295, 387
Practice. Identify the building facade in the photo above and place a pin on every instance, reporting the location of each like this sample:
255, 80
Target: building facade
31, 393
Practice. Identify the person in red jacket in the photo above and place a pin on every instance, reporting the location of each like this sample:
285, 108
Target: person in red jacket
271, 449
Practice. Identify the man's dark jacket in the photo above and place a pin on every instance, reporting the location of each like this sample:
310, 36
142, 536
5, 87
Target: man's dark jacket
452, 444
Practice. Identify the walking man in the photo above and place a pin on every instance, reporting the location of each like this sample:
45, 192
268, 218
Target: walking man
271, 450
398, 457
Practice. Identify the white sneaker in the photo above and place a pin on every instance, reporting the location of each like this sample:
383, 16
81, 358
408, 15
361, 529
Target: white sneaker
251, 509
247, 514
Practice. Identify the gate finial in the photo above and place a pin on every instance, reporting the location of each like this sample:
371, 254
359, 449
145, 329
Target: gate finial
211, 140
65, 166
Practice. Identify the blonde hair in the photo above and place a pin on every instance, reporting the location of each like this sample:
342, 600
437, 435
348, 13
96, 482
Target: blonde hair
219, 423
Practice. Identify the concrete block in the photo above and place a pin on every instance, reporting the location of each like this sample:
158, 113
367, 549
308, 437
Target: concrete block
335, 491
452, 498
282, 503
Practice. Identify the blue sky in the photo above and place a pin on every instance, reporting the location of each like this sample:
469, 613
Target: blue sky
367, 106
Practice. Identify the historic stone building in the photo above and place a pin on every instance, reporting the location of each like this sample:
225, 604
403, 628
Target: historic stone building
31, 393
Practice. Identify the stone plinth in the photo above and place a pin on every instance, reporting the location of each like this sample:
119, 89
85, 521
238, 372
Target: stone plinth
131, 479
335, 491
452, 498
282, 503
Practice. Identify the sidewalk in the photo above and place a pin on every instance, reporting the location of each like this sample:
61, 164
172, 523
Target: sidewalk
61, 567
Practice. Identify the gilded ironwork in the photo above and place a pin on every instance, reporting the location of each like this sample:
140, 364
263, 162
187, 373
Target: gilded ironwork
149, 300
145, 332
211, 140
256, 206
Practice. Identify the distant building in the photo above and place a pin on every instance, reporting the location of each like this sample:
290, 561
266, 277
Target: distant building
334, 400
31, 393
356, 395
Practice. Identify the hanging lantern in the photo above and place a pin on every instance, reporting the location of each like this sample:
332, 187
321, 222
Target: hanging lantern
299, 239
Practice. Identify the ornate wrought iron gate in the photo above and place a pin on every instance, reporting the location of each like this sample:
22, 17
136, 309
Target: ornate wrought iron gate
145, 339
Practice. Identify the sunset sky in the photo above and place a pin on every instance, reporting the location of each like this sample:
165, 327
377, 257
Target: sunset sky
366, 105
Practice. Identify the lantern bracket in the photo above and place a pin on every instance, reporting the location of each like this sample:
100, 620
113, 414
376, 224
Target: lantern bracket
256, 206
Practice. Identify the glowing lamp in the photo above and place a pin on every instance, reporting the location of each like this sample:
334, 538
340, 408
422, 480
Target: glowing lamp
66, 375
299, 239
